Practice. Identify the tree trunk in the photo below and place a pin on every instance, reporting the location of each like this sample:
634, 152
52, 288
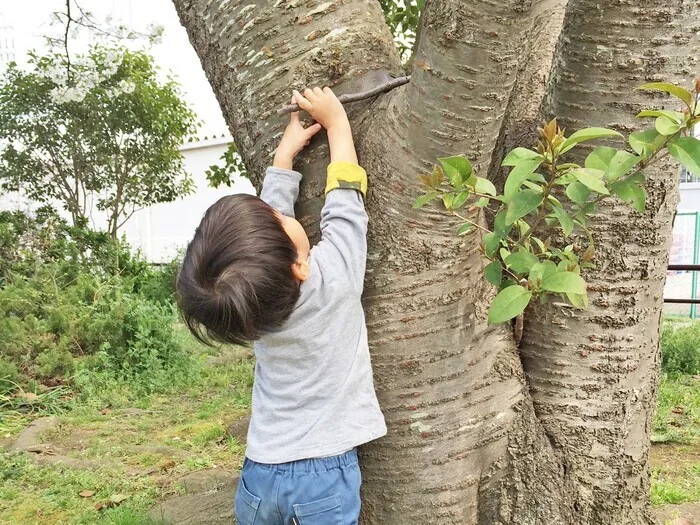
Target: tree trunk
480, 432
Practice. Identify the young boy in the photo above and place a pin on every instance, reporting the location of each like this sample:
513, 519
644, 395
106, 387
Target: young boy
249, 274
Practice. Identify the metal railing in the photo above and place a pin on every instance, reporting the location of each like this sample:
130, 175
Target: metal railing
693, 301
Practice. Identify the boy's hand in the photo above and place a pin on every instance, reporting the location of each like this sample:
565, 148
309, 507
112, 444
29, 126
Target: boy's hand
323, 106
294, 139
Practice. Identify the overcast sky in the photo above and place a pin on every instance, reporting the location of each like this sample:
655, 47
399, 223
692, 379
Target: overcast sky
29, 20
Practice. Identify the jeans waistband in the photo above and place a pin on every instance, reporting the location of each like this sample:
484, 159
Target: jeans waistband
305, 466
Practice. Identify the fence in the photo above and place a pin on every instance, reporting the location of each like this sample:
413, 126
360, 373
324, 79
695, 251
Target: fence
681, 292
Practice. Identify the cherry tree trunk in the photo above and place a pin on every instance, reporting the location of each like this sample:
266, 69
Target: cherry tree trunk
481, 431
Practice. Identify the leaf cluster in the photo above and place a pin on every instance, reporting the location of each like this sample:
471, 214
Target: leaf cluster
547, 200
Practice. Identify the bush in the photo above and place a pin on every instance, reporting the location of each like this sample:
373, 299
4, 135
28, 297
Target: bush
680, 348
79, 307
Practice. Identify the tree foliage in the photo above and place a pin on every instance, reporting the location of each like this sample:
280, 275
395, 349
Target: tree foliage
96, 129
403, 17
547, 199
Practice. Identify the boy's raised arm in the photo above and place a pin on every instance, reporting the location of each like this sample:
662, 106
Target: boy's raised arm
281, 184
343, 218
281, 189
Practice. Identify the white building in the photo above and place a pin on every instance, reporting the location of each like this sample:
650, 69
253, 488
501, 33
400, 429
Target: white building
7, 44
161, 230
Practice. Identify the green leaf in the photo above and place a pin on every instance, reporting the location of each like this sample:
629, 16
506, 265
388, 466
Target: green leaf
505, 283
500, 227
675, 116
539, 243
686, 150
523, 203
493, 273
621, 163
520, 262
566, 221
519, 154
481, 202
517, 176
465, 228
541, 270
460, 199
447, 200
677, 91
457, 169
599, 158
424, 199
578, 192
564, 282
509, 303
534, 186
591, 179
586, 134
536, 177
623, 189
646, 142
580, 301
491, 243
640, 198
484, 186
554, 201
666, 126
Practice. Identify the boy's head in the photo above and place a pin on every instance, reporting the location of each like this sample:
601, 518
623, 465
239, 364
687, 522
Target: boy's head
241, 272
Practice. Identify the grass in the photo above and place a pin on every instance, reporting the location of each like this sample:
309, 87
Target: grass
141, 454
184, 430
675, 456
675, 487
677, 416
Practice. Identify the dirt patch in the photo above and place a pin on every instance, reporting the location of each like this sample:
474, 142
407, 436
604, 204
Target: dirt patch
31, 436
239, 429
683, 514
214, 507
674, 456
31, 440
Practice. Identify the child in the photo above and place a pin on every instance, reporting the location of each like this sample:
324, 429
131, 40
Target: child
249, 274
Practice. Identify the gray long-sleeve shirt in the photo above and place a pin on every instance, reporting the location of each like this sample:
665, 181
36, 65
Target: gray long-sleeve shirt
313, 393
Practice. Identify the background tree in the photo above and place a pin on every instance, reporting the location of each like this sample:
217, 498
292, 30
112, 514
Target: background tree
98, 129
555, 431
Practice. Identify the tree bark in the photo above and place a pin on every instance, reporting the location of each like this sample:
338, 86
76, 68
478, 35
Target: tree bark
480, 432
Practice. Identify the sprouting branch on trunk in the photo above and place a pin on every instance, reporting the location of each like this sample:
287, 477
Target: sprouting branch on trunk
535, 265
355, 97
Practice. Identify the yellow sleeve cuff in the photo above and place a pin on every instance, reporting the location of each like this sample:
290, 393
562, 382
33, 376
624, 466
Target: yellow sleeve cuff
346, 175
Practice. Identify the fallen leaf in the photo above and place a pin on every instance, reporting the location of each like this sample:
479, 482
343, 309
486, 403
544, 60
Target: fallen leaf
86, 493
678, 410
28, 395
105, 411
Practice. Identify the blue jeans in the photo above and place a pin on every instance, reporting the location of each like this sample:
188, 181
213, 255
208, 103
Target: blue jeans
321, 491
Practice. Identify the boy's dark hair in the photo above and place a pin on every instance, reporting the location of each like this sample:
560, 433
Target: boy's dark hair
236, 280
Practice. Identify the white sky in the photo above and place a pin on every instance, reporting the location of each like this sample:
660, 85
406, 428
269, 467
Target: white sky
29, 20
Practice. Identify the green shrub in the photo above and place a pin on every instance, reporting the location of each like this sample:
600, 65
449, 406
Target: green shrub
79, 308
680, 348
9, 376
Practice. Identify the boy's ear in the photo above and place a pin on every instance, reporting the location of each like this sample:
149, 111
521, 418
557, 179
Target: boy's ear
300, 269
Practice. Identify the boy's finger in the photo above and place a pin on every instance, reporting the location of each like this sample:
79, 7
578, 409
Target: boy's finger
312, 130
310, 95
301, 101
294, 116
318, 92
328, 91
